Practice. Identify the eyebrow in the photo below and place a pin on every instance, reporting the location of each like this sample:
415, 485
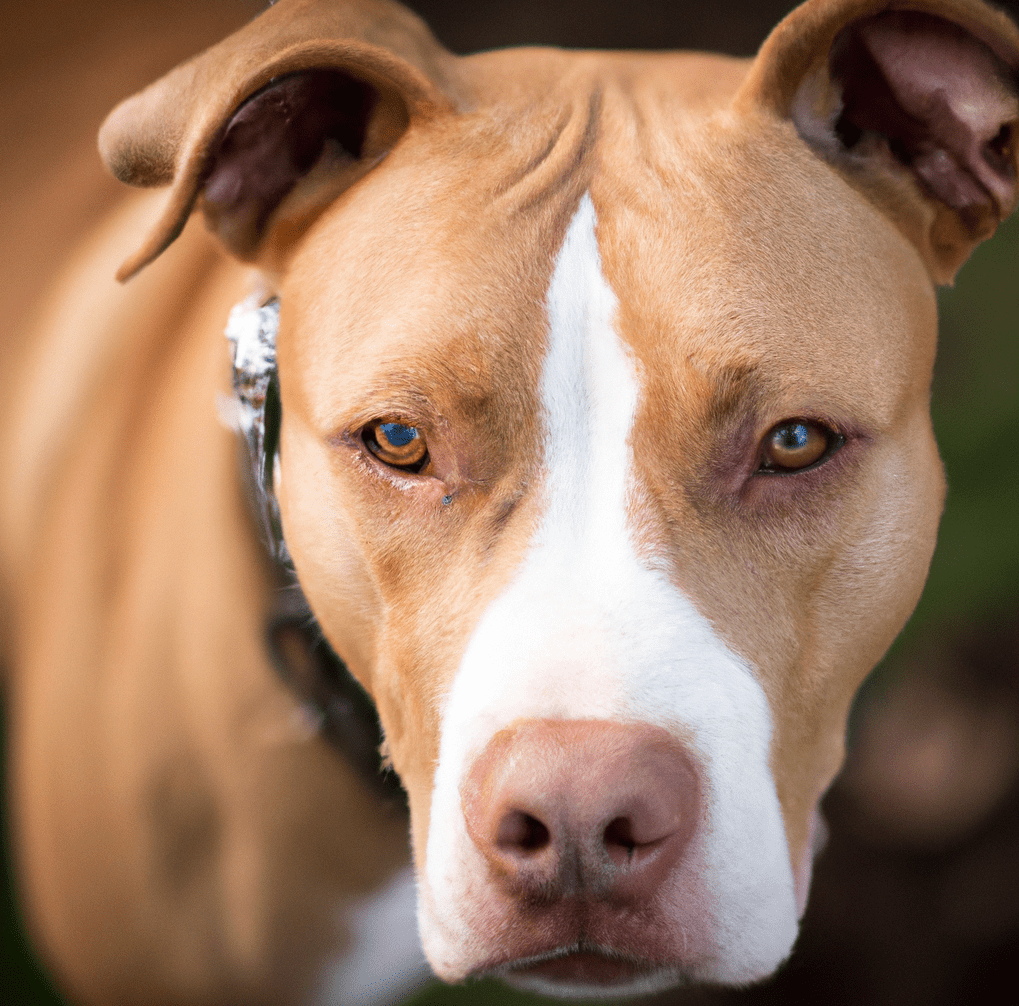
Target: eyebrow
384, 402
401, 393
737, 393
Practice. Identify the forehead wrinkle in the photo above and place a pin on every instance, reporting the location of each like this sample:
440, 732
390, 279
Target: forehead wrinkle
559, 173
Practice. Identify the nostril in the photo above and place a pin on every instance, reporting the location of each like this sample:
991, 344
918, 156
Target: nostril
520, 832
619, 839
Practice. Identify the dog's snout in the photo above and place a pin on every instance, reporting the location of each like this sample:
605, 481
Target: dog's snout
581, 809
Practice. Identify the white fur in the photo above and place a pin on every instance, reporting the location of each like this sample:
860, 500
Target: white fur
588, 629
382, 963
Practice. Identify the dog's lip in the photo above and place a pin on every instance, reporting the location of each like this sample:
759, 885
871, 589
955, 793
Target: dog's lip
579, 964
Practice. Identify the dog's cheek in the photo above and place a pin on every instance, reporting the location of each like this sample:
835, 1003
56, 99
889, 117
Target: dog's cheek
323, 541
817, 593
859, 606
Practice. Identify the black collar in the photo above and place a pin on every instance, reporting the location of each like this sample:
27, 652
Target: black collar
340, 708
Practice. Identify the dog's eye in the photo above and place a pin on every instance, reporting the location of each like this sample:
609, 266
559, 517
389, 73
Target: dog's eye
796, 444
397, 445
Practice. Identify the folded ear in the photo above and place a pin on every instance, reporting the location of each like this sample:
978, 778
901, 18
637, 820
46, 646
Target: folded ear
266, 128
916, 103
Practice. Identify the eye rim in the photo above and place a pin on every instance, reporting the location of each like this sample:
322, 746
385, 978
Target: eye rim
391, 454
834, 441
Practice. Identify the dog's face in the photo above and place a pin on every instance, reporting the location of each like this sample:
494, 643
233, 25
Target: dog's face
596, 534
606, 463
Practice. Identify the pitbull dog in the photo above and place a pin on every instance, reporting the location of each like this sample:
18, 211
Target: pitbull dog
602, 454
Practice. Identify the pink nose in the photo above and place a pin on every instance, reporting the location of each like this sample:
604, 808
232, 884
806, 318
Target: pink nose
581, 808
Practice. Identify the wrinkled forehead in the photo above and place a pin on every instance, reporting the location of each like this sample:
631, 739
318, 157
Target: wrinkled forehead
727, 245
431, 276
754, 257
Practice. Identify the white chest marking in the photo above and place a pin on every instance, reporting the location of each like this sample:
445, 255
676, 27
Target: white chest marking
590, 630
383, 962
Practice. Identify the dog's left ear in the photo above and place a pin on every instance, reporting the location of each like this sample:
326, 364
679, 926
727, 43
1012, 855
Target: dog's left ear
915, 103
268, 127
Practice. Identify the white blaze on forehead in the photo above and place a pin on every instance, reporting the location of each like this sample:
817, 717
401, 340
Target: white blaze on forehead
587, 630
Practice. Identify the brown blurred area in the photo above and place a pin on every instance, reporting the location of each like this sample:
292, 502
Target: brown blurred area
916, 897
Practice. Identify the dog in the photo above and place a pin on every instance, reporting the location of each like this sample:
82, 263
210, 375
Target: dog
591, 418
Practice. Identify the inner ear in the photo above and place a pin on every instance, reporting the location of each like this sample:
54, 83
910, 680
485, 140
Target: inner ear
316, 131
936, 99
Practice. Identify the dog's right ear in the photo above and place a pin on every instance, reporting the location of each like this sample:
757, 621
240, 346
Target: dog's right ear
268, 127
914, 102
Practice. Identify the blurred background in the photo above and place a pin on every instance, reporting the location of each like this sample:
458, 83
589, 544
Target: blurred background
916, 898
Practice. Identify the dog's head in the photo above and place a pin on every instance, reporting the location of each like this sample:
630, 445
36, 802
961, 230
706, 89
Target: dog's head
606, 462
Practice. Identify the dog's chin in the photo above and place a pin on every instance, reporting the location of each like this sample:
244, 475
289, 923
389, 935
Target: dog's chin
587, 972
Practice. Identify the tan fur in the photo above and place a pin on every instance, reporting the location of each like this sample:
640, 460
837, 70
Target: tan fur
179, 836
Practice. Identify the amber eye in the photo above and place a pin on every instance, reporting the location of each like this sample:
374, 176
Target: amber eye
397, 445
796, 444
